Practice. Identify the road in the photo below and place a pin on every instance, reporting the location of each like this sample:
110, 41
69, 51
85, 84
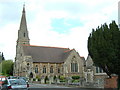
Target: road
57, 87
46, 86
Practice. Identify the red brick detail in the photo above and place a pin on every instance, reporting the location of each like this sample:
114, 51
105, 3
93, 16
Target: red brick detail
111, 82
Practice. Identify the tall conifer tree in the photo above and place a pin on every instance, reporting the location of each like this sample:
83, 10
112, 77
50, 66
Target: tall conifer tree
104, 48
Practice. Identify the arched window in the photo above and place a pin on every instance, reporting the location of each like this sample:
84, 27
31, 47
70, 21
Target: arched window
58, 70
74, 65
27, 66
99, 70
36, 69
24, 35
44, 69
51, 69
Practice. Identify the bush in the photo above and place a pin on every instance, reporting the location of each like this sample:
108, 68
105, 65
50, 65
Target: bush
75, 81
75, 77
46, 79
38, 79
34, 79
62, 78
55, 77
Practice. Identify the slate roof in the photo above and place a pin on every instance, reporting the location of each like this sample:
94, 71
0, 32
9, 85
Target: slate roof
46, 54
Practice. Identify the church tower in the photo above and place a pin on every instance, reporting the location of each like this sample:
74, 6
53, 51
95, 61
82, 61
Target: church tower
23, 37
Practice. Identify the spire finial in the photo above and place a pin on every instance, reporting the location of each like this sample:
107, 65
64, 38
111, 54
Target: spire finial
24, 7
24, 4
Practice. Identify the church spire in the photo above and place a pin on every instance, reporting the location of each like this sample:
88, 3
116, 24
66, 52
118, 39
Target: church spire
23, 37
23, 24
24, 8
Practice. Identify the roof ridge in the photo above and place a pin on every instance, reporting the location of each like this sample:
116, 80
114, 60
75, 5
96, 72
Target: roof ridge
44, 46
68, 50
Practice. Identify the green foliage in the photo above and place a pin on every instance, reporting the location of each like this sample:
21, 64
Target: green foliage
59, 77
54, 77
46, 79
75, 77
37, 76
104, 47
38, 79
2, 57
7, 67
34, 79
75, 81
62, 78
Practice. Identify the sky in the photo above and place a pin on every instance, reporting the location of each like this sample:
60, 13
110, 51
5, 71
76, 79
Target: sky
58, 23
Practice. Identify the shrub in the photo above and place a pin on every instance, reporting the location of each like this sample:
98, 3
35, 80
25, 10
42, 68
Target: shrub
55, 77
62, 78
34, 79
75, 81
75, 77
38, 79
46, 79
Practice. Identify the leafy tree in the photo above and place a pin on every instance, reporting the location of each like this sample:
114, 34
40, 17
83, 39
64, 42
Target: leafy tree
0, 58
104, 48
3, 58
7, 67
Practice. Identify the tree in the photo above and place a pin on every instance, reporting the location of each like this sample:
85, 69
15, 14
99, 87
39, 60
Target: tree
104, 48
3, 58
7, 67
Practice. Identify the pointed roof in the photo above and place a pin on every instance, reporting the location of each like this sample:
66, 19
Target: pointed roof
46, 54
23, 37
23, 23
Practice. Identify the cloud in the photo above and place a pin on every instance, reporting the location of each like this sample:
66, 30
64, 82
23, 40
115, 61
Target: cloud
40, 19
8, 40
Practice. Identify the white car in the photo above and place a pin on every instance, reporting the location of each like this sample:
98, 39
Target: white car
13, 84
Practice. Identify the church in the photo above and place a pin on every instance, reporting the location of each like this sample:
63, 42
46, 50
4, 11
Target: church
35, 61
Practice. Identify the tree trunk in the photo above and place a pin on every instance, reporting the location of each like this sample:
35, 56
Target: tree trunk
105, 69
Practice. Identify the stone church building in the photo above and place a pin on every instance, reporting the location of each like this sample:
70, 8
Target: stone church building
40, 61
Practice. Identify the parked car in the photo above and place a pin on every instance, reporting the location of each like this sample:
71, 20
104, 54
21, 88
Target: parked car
13, 77
2, 79
24, 78
13, 84
18, 77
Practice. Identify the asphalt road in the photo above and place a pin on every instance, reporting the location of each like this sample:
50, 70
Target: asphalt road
59, 87
46, 86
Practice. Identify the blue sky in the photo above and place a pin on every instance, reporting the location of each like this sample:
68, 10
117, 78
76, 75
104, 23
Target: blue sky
60, 23
63, 26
